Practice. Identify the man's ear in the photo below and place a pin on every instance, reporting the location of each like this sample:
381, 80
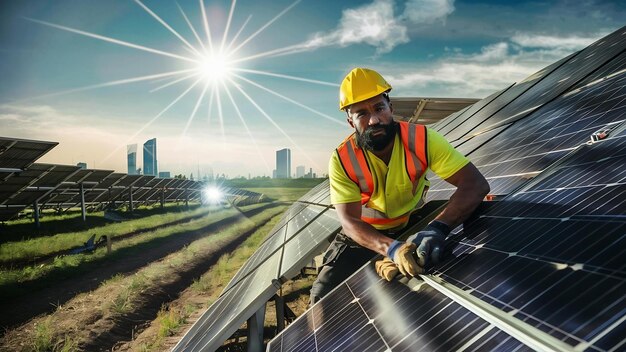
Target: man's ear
349, 120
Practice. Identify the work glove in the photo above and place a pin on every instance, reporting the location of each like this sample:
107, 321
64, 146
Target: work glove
403, 255
430, 243
386, 268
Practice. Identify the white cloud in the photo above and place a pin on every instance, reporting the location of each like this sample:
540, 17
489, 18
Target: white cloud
428, 11
374, 24
494, 67
554, 42
377, 25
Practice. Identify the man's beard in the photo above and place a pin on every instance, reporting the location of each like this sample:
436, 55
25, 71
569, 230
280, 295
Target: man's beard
368, 141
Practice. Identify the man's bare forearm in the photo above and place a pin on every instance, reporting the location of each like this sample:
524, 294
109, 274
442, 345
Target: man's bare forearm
471, 190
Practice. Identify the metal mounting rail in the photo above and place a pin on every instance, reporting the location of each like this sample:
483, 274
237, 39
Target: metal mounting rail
520, 330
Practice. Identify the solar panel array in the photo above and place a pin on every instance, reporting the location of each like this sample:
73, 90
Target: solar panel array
547, 258
27, 184
303, 231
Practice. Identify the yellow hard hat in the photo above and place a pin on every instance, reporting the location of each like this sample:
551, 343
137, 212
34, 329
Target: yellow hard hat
361, 84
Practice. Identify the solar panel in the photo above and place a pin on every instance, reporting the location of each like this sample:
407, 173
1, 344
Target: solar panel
522, 149
30, 185
367, 314
298, 217
566, 73
309, 242
20, 153
455, 121
552, 253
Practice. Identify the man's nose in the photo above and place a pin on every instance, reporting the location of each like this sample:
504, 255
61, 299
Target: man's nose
374, 120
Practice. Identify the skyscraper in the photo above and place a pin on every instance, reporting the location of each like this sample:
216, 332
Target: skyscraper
283, 163
131, 158
150, 157
300, 171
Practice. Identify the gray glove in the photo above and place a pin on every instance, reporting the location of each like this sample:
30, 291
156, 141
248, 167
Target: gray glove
430, 243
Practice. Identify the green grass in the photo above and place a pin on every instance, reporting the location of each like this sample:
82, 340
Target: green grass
12, 281
30, 249
127, 291
51, 223
282, 194
169, 321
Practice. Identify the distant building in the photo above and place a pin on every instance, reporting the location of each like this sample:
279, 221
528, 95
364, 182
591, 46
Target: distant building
274, 173
300, 171
131, 158
164, 174
82, 165
150, 157
283, 163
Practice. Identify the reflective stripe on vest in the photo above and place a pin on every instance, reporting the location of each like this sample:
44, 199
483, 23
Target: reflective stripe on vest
355, 164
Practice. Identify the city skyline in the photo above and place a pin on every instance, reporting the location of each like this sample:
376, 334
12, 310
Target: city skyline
97, 76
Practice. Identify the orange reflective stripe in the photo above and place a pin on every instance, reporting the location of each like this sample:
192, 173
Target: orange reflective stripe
344, 158
356, 167
415, 154
380, 221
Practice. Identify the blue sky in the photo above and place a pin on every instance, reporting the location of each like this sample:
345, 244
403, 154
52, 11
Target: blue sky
426, 48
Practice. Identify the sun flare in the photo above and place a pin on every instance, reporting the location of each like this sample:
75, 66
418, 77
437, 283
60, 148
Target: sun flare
215, 67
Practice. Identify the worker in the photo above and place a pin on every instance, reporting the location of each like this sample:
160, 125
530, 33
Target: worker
378, 179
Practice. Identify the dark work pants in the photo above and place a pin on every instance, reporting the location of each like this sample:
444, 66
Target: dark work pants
342, 258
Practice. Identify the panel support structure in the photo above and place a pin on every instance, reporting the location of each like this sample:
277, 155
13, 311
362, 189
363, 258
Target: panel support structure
36, 212
255, 330
130, 199
279, 301
82, 202
163, 197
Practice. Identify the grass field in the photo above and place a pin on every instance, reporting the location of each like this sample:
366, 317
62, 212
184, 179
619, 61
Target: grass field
12, 280
32, 248
52, 223
120, 296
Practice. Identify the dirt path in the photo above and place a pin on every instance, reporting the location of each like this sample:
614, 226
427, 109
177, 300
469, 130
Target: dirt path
45, 300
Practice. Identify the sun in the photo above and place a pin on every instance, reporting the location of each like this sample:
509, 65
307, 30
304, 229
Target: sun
215, 67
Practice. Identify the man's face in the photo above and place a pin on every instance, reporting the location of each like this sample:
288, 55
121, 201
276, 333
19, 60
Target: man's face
373, 121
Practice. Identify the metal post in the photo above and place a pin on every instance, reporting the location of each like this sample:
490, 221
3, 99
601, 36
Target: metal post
187, 198
279, 301
255, 331
108, 244
36, 213
130, 199
82, 202
163, 197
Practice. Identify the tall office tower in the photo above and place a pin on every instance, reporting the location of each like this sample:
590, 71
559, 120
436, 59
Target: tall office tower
300, 171
131, 158
150, 157
283, 163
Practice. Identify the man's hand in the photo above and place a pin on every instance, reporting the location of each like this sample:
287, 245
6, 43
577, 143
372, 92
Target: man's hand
403, 256
430, 243
386, 268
